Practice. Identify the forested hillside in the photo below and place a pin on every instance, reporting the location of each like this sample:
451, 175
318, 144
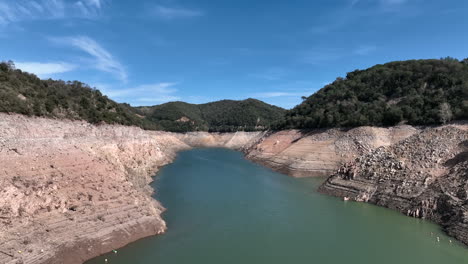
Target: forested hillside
220, 116
24, 93
417, 92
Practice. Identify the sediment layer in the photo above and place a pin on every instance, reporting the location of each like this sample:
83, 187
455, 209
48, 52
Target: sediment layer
321, 152
424, 176
71, 191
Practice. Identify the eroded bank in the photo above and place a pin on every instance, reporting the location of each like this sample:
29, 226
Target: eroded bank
72, 191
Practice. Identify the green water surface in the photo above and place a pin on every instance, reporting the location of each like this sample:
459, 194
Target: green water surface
225, 209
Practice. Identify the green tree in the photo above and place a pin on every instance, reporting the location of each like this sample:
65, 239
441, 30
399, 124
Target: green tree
404, 91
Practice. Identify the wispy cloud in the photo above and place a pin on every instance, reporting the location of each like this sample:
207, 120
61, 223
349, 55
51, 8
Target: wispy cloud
271, 74
276, 94
147, 94
46, 69
325, 55
353, 2
89, 8
347, 15
96, 3
102, 59
23, 10
365, 50
170, 13
393, 2
321, 56
378, 2
165, 88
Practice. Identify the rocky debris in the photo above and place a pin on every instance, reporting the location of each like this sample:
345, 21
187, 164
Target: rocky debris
321, 152
423, 176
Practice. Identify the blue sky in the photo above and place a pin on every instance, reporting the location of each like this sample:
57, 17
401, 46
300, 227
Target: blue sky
151, 52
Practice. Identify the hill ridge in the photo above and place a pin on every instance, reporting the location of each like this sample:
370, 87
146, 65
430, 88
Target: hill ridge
25, 93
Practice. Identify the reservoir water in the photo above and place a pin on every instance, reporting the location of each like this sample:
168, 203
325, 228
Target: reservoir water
222, 208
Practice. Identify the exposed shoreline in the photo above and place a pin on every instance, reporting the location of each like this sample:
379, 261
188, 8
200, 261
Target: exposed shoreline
424, 176
85, 189
72, 191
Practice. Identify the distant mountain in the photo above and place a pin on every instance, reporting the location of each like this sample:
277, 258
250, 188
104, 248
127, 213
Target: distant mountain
417, 92
220, 116
24, 93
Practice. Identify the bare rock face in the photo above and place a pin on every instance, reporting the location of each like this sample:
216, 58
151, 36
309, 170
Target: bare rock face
424, 176
238, 140
421, 172
321, 152
71, 191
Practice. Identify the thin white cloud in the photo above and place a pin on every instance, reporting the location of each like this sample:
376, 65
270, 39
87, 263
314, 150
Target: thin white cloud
393, 2
36, 7
276, 94
365, 50
146, 94
96, 3
321, 56
45, 69
345, 16
165, 88
56, 8
169, 13
23, 10
155, 100
198, 99
102, 60
353, 2
271, 74
83, 9
381, 2
7, 13
89, 8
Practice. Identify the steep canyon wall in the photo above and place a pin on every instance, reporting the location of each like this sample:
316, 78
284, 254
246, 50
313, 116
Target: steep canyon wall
71, 190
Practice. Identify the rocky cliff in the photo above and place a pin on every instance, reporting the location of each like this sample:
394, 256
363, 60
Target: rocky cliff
425, 176
321, 152
421, 172
71, 191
